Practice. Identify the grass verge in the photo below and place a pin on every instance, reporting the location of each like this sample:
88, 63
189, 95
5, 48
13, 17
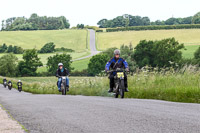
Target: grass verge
170, 86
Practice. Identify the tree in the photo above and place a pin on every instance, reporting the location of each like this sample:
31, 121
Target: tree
102, 23
52, 62
97, 64
158, 53
10, 49
8, 65
30, 63
166, 51
127, 53
48, 48
3, 48
196, 59
109, 52
196, 18
80, 26
143, 54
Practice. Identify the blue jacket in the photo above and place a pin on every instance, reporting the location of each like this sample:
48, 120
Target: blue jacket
120, 64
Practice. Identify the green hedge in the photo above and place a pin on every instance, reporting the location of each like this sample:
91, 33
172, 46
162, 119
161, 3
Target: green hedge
155, 27
99, 30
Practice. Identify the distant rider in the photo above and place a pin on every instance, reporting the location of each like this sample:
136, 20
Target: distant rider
62, 72
4, 80
19, 83
114, 63
10, 84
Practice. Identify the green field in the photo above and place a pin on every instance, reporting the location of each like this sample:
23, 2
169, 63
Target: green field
116, 39
73, 39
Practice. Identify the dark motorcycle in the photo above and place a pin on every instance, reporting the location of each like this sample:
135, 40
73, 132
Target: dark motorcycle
119, 87
19, 88
10, 85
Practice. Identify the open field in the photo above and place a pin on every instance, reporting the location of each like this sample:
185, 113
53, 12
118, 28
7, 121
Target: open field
116, 39
73, 39
44, 57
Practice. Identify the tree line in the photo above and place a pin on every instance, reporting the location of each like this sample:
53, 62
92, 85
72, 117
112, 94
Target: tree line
35, 22
127, 20
11, 49
159, 54
166, 53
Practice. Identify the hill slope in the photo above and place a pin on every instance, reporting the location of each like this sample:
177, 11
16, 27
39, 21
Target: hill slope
73, 39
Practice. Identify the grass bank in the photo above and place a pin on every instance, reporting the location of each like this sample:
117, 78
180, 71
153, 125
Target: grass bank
170, 86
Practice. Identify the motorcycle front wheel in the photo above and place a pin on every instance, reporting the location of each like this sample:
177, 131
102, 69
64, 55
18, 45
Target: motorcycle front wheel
121, 90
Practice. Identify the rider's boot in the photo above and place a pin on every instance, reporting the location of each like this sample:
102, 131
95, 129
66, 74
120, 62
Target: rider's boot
67, 87
59, 89
110, 90
126, 90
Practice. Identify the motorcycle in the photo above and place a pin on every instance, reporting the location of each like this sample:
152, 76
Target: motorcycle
19, 88
64, 87
9, 86
119, 87
5, 84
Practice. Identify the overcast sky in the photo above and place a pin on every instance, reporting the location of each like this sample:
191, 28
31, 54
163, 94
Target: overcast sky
89, 12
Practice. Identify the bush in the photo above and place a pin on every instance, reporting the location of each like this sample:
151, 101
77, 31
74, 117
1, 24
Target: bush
52, 63
30, 63
158, 53
62, 49
97, 64
8, 65
48, 48
99, 30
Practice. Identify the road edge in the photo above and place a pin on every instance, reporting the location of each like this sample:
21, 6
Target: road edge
11, 117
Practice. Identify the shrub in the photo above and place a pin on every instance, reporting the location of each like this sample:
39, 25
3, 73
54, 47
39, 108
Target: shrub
52, 63
48, 48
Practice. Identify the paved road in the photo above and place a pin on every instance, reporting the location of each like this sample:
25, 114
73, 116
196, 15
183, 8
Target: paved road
81, 114
92, 46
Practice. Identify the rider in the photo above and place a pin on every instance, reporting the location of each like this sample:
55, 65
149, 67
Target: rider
19, 83
114, 63
62, 72
10, 83
4, 80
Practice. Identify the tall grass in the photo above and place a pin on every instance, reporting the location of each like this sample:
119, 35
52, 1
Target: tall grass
178, 86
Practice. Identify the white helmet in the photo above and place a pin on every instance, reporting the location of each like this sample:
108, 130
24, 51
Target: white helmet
117, 52
19, 81
60, 64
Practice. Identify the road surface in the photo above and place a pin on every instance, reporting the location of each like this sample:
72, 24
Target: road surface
83, 114
93, 49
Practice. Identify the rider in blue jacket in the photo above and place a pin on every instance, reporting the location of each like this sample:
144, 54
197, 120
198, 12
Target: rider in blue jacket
62, 72
114, 63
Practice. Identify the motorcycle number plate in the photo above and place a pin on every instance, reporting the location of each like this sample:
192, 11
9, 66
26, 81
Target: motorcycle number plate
120, 75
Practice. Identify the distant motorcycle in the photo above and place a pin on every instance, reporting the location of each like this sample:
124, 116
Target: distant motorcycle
119, 87
9, 85
5, 84
20, 88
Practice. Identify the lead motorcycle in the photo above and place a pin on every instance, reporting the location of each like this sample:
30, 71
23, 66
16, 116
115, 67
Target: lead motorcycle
119, 86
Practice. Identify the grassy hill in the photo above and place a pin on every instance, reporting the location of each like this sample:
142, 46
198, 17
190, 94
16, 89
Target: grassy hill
190, 37
73, 39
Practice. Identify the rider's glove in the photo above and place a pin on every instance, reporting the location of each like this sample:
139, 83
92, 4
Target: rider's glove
127, 69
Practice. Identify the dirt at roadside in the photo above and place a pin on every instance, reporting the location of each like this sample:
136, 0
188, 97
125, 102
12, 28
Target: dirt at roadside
7, 124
